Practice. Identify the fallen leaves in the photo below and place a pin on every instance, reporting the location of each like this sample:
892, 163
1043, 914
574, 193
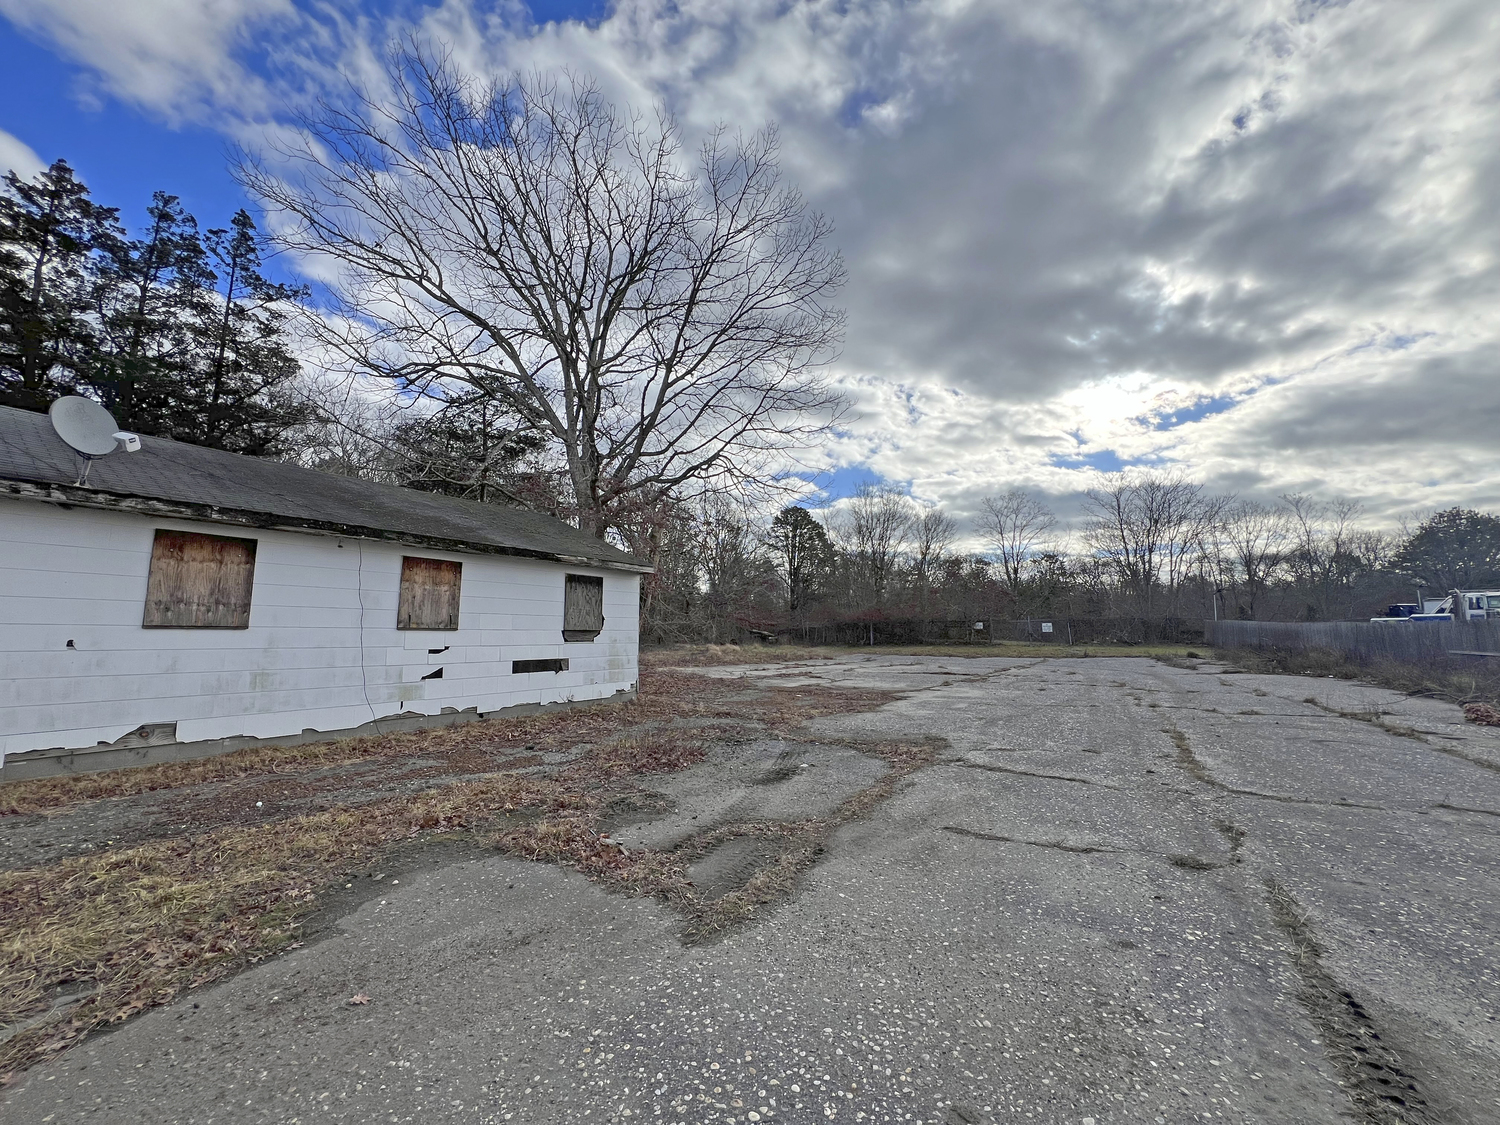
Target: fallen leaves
359, 998
141, 921
1483, 714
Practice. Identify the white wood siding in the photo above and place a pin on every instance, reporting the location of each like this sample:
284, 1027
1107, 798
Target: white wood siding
322, 651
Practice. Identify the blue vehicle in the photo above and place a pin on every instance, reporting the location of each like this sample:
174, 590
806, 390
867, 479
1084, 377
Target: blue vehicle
1474, 605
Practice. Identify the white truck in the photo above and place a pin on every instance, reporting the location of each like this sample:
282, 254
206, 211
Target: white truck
1474, 605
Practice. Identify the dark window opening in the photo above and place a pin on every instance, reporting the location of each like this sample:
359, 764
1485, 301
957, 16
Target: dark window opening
199, 582
519, 666
583, 607
429, 594
438, 675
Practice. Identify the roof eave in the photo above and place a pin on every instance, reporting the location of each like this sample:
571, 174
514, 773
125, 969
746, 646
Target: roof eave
77, 496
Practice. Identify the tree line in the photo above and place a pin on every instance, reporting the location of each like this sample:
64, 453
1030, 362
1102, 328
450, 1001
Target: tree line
1149, 546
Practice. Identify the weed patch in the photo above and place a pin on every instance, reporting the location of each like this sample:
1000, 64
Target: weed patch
1457, 681
133, 925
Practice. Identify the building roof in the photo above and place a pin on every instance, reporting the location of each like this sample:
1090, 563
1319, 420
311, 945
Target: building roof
172, 478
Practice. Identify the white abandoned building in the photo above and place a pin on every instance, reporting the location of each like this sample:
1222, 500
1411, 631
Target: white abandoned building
185, 601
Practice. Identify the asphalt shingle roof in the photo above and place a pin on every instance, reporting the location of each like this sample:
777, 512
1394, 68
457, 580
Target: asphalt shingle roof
229, 487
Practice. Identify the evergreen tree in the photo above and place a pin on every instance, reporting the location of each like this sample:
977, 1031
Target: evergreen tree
50, 231
1455, 549
471, 447
176, 335
243, 404
151, 299
804, 554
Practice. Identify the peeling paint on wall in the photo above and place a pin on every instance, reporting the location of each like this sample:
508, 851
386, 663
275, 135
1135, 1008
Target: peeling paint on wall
322, 651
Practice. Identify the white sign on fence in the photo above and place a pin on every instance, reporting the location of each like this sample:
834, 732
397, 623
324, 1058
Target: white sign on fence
1046, 626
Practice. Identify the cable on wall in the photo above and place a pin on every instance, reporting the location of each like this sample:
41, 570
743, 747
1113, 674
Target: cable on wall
359, 585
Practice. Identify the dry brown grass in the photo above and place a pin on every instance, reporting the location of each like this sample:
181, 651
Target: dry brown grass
143, 923
1483, 714
138, 923
46, 793
699, 656
476, 747
1458, 681
710, 656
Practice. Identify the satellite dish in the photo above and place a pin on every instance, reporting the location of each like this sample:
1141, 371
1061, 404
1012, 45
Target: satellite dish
85, 425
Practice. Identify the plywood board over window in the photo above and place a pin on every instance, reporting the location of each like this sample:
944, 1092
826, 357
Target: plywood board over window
429, 594
199, 581
583, 607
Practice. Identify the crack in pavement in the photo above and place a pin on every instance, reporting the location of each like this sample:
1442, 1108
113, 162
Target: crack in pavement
1482, 763
1465, 808
1176, 859
1057, 845
1189, 762
1377, 719
1373, 716
1028, 773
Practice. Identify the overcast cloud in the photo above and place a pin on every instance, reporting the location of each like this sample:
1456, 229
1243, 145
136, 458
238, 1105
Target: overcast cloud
1257, 239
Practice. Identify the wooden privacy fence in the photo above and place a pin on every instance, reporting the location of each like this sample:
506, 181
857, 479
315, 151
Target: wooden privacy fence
1063, 631
1406, 642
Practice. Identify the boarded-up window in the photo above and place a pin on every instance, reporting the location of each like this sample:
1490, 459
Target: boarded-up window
583, 607
521, 667
199, 582
429, 594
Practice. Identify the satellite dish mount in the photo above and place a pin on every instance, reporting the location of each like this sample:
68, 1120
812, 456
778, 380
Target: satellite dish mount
90, 430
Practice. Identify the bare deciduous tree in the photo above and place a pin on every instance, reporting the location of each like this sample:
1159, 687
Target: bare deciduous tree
1323, 550
932, 533
873, 530
661, 320
1017, 526
1257, 539
1150, 528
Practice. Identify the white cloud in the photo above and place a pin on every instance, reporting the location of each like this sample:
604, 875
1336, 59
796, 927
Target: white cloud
16, 156
180, 58
1063, 221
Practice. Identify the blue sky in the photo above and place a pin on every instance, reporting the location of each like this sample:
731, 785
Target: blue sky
1254, 240
122, 153
58, 108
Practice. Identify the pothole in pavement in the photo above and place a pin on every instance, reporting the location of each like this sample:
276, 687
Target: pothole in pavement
735, 871
732, 864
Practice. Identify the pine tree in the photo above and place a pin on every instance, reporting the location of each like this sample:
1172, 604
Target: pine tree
150, 295
248, 370
805, 555
50, 232
1455, 549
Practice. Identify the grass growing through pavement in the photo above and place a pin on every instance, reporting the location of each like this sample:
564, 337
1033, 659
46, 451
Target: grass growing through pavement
132, 926
1458, 681
137, 925
803, 840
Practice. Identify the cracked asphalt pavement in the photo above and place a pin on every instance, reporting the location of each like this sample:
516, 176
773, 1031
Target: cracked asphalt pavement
1124, 892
